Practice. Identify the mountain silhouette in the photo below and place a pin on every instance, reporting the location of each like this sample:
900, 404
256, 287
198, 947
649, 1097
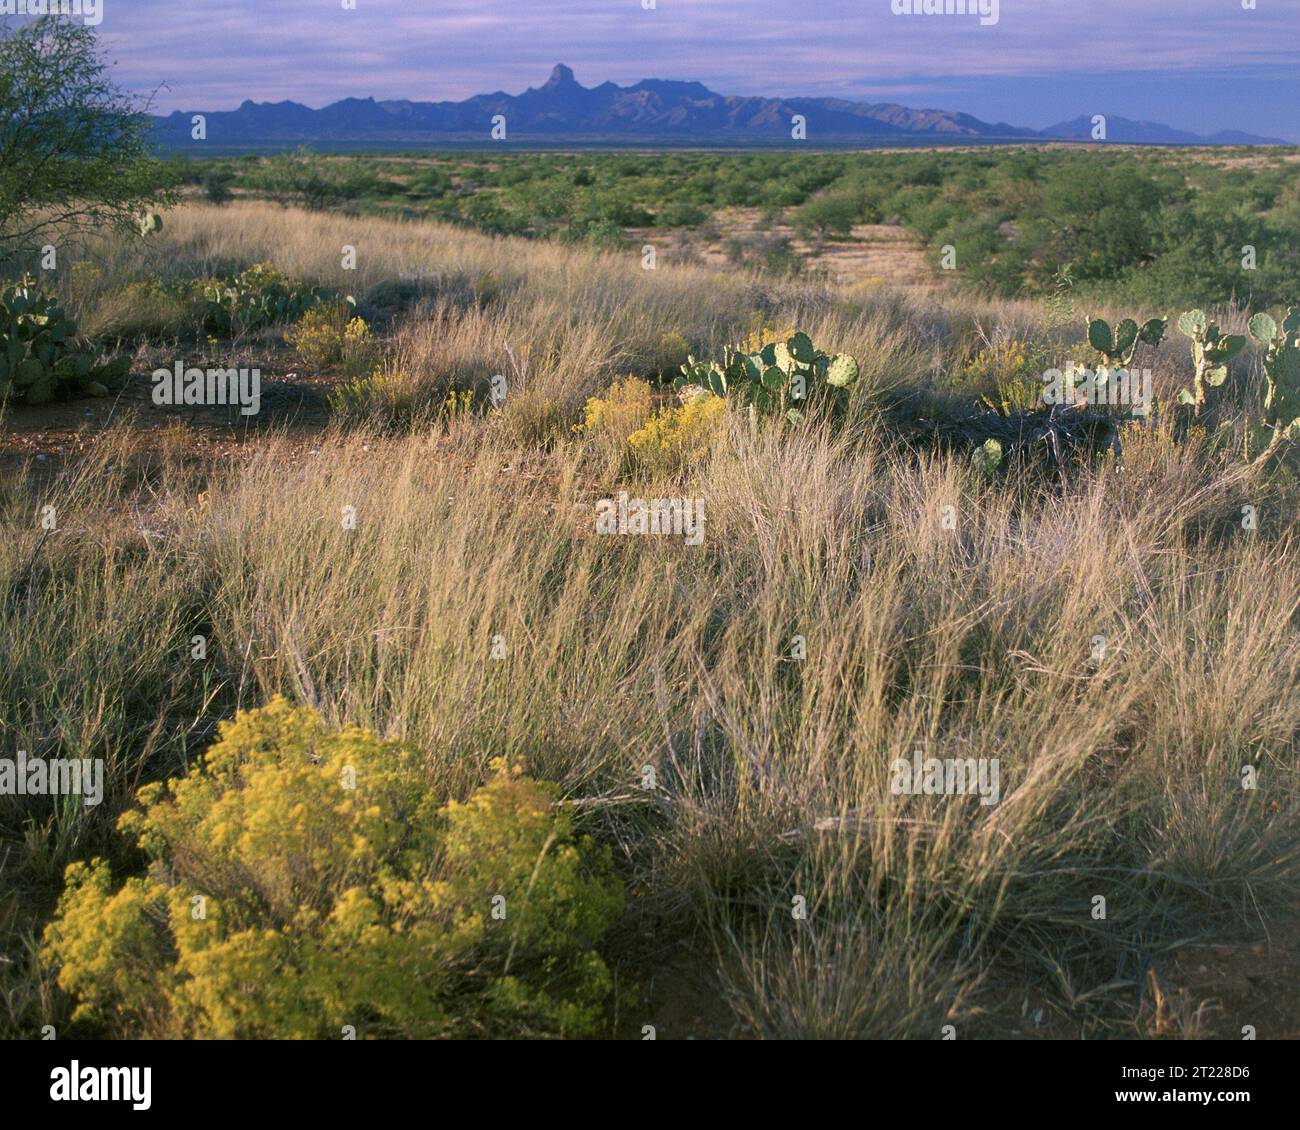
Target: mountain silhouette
652, 111
1127, 131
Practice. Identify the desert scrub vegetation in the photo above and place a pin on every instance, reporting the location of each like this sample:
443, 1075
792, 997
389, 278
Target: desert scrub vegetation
258, 296
454, 309
1120, 765
858, 593
303, 879
1151, 227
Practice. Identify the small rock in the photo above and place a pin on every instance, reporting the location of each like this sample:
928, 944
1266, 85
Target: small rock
94, 388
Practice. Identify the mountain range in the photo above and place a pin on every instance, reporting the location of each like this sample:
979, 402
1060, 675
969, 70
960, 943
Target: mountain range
654, 111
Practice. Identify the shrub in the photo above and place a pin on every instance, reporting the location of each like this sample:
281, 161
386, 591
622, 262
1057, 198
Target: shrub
388, 394
780, 258
360, 398
326, 335
607, 421
358, 347
680, 214
677, 437
216, 186
671, 354
305, 878
314, 181
1007, 376
827, 215
41, 356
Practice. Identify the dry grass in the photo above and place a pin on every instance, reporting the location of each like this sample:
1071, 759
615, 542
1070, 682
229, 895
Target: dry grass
1120, 774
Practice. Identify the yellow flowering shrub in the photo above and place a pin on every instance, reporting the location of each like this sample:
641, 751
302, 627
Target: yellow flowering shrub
358, 354
676, 437
608, 420
623, 409
305, 878
325, 335
387, 391
1007, 376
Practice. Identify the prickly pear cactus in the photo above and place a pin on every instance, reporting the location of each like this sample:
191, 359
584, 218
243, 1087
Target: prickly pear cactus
1119, 345
782, 377
260, 295
987, 458
41, 357
1211, 351
1282, 372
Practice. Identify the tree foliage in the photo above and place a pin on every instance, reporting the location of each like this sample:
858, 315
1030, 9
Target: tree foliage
74, 150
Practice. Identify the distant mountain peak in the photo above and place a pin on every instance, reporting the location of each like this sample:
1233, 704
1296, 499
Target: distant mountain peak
560, 76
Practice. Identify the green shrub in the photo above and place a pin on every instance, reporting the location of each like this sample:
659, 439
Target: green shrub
305, 878
671, 354
680, 214
827, 215
216, 186
41, 356
780, 258
315, 181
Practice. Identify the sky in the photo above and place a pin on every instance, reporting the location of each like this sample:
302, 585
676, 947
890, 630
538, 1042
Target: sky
1199, 65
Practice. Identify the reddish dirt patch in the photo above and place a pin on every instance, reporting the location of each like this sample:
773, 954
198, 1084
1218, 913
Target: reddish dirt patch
679, 996
1214, 991
292, 406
